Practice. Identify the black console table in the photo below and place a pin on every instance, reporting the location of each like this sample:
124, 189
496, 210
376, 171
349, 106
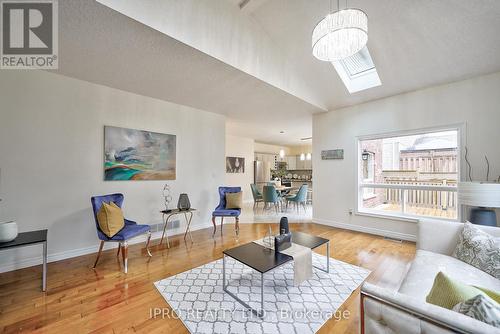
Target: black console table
29, 239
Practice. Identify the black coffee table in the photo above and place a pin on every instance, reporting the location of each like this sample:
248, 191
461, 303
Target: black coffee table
264, 259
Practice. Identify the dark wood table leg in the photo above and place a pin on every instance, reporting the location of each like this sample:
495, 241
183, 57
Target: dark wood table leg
215, 226
237, 225
125, 256
101, 245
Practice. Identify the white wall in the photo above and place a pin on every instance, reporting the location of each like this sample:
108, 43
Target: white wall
475, 102
298, 150
270, 148
289, 150
51, 158
244, 148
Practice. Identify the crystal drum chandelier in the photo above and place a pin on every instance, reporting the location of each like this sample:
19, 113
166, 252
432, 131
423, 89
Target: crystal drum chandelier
340, 34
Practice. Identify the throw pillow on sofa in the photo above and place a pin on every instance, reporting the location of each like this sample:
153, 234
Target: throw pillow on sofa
110, 218
234, 200
479, 249
447, 292
480, 308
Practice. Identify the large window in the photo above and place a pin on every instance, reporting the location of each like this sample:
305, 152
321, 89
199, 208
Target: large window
410, 175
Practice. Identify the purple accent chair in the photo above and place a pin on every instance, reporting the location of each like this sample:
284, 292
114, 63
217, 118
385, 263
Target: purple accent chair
221, 211
130, 230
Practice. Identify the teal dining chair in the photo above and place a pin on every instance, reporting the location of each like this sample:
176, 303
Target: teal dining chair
299, 198
257, 195
270, 196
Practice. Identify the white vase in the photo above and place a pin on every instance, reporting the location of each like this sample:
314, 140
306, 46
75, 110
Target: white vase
8, 231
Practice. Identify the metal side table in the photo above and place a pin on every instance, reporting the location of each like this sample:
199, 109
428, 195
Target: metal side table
166, 216
29, 239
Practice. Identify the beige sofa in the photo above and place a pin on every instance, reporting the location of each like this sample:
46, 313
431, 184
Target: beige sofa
404, 310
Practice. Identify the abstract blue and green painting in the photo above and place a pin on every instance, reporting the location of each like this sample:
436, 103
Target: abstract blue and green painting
138, 155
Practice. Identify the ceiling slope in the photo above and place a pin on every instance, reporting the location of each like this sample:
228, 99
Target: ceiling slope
100, 45
278, 84
414, 44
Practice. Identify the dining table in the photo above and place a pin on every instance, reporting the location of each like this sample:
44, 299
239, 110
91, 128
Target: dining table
280, 188
283, 191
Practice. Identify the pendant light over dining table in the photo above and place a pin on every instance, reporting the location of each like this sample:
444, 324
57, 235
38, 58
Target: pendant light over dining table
340, 34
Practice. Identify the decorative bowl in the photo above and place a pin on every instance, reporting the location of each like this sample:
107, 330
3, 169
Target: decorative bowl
8, 231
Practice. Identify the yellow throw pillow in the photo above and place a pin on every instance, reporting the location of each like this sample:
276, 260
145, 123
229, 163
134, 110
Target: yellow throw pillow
447, 292
492, 294
110, 218
234, 200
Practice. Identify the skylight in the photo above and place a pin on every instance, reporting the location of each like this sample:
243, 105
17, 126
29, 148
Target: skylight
358, 72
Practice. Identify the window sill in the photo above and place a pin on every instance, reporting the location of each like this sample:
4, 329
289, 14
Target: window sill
408, 219
386, 216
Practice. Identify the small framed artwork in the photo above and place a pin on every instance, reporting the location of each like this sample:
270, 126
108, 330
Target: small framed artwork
235, 165
336, 154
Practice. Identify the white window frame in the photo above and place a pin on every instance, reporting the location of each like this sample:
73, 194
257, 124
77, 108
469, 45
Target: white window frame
367, 194
461, 129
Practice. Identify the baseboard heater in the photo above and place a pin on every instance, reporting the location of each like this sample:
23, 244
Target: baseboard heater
171, 225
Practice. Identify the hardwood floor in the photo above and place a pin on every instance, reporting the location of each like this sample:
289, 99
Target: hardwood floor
105, 300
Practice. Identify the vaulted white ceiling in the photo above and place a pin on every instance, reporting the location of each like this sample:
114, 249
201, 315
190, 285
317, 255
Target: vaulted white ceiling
414, 44
254, 64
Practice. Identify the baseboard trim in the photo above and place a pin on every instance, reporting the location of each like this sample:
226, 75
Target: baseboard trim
364, 229
37, 260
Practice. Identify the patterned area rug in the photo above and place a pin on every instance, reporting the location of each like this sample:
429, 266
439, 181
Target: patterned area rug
199, 301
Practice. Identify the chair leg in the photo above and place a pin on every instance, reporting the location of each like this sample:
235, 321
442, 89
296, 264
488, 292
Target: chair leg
118, 251
215, 227
276, 207
147, 244
237, 225
125, 256
221, 223
98, 254
304, 205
